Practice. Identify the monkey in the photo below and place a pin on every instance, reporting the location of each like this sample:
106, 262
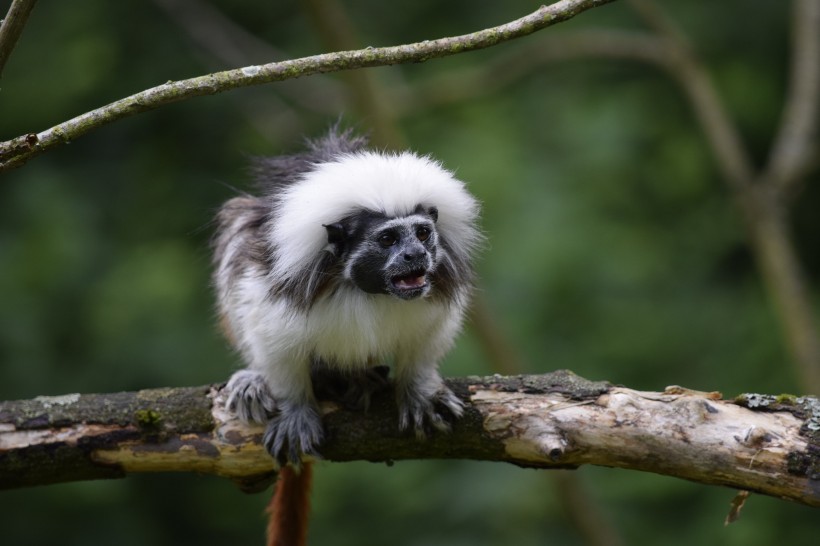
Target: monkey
348, 259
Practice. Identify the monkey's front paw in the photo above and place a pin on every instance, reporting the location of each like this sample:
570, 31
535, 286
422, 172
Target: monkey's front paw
425, 412
295, 431
249, 397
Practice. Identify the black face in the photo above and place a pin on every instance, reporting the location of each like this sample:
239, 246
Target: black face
385, 255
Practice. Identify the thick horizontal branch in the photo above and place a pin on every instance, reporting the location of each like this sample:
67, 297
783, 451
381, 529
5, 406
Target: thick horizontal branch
760, 443
16, 152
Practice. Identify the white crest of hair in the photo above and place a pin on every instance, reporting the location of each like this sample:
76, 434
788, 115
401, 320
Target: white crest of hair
393, 184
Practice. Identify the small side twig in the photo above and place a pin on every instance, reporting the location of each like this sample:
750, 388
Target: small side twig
12, 27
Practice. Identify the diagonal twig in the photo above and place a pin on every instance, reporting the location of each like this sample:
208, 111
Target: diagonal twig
17, 151
731, 155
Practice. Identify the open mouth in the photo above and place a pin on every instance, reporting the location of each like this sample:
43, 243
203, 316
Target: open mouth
413, 281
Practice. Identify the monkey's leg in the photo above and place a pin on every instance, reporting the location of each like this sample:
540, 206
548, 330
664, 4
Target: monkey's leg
295, 430
294, 425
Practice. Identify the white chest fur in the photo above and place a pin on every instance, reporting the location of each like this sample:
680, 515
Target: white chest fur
351, 327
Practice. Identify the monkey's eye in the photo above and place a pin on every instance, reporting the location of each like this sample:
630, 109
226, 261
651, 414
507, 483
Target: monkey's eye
387, 239
423, 233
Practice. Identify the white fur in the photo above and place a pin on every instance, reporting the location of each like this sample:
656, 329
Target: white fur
349, 328
391, 184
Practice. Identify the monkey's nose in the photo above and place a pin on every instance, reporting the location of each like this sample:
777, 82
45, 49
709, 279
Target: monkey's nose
413, 253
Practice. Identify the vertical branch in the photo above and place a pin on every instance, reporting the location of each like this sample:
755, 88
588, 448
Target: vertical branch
730, 153
793, 148
337, 32
791, 154
12, 27
759, 199
785, 282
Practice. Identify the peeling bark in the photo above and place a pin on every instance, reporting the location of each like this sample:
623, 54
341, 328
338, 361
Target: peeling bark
759, 443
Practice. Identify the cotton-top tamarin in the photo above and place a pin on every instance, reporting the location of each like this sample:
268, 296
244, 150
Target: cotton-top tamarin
349, 258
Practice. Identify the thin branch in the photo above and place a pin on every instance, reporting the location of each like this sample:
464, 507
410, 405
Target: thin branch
786, 283
681, 63
795, 147
216, 33
517, 62
12, 27
758, 443
367, 96
225, 43
219, 42
761, 203
17, 151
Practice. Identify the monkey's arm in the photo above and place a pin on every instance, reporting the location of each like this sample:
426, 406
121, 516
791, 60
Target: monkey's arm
423, 399
281, 397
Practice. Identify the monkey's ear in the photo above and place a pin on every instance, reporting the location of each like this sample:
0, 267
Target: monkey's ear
335, 233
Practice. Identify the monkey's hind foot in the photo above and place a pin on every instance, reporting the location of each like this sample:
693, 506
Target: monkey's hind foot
354, 389
425, 413
249, 397
295, 431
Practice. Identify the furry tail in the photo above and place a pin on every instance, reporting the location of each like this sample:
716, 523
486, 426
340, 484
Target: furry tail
289, 508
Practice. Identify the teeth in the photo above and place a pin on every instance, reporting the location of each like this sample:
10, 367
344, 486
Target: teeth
410, 282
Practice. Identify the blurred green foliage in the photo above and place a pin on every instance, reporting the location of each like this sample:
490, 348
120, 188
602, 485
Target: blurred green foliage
614, 251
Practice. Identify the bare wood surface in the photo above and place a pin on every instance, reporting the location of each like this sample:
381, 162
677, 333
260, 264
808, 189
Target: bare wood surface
765, 444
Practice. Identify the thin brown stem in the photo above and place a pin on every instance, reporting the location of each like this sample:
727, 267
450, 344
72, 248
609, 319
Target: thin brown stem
12, 27
681, 63
226, 43
785, 282
795, 146
368, 97
760, 202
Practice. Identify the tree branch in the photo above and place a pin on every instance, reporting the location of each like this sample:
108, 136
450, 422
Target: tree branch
760, 443
17, 151
221, 42
516, 62
759, 196
683, 66
12, 27
795, 146
366, 95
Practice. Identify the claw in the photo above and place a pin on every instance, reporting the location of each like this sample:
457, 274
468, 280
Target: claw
424, 414
295, 431
249, 397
